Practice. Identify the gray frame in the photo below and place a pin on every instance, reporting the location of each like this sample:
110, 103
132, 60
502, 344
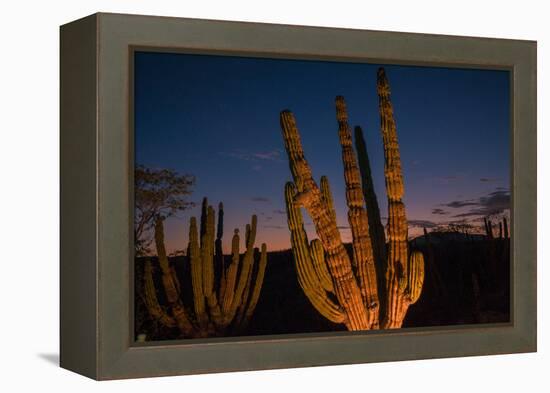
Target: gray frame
96, 198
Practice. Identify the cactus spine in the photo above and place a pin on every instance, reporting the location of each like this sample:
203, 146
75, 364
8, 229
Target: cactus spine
355, 297
215, 302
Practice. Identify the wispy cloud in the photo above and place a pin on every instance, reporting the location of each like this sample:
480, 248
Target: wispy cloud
459, 204
496, 202
439, 211
279, 211
489, 179
244, 155
272, 155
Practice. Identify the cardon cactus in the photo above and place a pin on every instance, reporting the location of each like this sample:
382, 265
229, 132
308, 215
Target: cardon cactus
345, 289
219, 302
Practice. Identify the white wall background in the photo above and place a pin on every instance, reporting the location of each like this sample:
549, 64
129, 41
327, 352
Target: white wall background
29, 193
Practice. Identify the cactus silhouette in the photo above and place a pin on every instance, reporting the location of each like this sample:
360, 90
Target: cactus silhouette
345, 289
219, 302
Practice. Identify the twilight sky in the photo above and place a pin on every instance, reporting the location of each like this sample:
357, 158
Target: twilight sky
217, 118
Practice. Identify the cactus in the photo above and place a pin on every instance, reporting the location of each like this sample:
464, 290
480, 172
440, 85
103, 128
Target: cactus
488, 228
350, 295
217, 305
376, 229
505, 225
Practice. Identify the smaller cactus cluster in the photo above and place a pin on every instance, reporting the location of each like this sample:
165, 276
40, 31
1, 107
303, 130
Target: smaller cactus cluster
223, 297
502, 228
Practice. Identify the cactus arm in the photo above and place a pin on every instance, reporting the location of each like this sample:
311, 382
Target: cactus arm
371, 201
258, 282
490, 224
209, 270
220, 270
319, 264
397, 260
247, 235
326, 195
231, 275
216, 314
246, 267
204, 215
172, 295
307, 277
241, 309
151, 299
207, 253
490, 229
363, 257
167, 278
338, 261
196, 275
505, 225
415, 276
223, 284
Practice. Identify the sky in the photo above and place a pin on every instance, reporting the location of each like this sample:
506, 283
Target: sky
217, 118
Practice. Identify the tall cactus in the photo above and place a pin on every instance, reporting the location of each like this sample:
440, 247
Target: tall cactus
216, 303
376, 229
351, 296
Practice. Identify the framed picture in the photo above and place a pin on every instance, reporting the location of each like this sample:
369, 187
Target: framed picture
240, 196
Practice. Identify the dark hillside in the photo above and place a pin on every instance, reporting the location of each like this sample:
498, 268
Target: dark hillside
467, 281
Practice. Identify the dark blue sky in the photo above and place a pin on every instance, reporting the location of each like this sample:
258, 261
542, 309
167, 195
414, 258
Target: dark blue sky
217, 117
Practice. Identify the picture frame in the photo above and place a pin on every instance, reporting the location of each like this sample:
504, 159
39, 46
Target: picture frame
96, 263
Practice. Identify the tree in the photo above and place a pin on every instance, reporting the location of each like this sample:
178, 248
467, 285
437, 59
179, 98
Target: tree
159, 194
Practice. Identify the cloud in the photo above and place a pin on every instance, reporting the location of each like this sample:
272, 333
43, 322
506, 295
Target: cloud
238, 154
495, 202
279, 211
260, 199
439, 211
422, 224
459, 204
488, 179
273, 155
462, 221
